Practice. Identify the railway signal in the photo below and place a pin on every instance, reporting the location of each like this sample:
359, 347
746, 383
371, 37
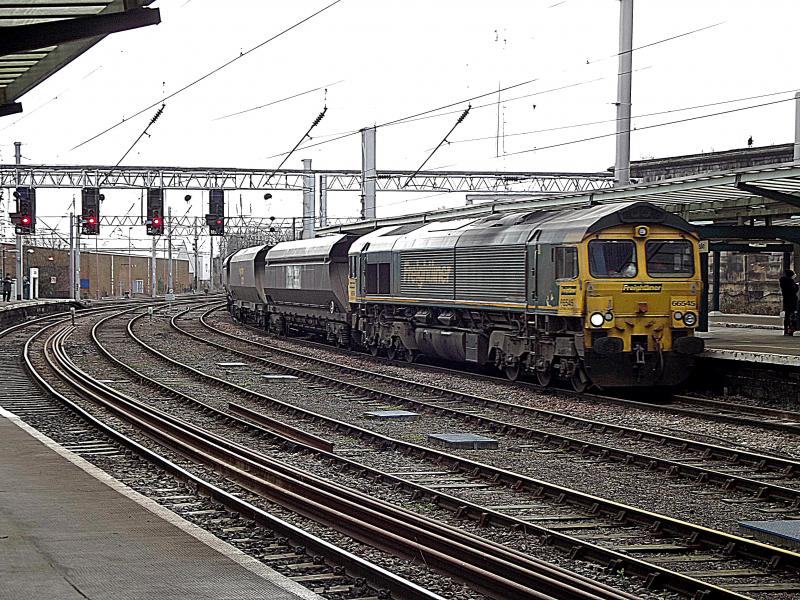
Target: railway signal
90, 211
155, 211
215, 219
24, 220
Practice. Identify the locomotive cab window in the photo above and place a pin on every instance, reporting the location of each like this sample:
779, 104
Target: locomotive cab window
566, 263
669, 258
612, 258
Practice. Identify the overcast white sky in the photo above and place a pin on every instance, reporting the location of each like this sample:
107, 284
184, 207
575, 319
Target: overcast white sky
390, 59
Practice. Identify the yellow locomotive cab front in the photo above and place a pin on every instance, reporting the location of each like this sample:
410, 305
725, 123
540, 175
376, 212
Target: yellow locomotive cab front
641, 304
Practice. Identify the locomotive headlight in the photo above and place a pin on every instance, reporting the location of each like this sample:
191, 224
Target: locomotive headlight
690, 319
678, 315
609, 316
596, 319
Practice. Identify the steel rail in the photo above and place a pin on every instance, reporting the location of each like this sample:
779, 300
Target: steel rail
286, 433
674, 468
758, 412
668, 408
611, 559
355, 566
700, 537
490, 567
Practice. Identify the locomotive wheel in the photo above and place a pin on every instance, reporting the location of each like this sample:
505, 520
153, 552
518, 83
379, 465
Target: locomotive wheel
544, 377
391, 352
411, 356
579, 381
512, 372
374, 349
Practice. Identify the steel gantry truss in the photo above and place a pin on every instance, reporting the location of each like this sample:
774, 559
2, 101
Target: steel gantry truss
180, 178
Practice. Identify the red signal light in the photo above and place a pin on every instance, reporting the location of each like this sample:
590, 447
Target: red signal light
92, 220
219, 221
25, 220
156, 221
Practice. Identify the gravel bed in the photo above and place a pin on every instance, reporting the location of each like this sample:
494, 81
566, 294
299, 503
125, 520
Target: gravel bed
708, 430
705, 505
321, 467
248, 537
581, 471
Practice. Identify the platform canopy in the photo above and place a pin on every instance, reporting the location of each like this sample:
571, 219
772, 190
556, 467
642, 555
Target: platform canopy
39, 37
770, 192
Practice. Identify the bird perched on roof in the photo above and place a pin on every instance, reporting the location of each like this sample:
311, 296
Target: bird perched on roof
750, 141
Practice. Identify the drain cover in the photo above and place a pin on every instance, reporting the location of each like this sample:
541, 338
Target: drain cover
463, 440
393, 415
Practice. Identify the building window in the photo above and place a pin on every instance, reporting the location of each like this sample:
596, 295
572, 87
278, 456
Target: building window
138, 286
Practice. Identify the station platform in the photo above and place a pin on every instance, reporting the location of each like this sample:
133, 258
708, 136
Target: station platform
69, 531
17, 311
751, 338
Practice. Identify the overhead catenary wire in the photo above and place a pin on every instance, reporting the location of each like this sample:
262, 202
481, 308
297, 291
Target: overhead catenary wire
410, 118
444, 139
209, 74
293, 96
159, 112
640, 116
319, 118
655, 125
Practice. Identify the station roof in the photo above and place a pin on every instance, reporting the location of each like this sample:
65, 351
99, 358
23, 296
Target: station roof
39, 37
769, 191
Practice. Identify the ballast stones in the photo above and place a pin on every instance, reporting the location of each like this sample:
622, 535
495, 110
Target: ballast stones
469, 441
392, 415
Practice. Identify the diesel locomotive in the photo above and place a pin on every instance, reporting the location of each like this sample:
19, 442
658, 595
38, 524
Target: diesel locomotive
606, 296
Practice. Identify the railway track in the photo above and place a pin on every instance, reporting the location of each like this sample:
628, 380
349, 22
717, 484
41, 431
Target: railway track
763, 476
491, 568
304, 557
595, 520
681, 404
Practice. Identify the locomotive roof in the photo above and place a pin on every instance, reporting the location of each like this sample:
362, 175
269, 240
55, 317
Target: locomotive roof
315, 249
555, 227
573, 225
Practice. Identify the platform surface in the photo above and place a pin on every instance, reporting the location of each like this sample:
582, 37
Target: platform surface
14, 304
751, 338
66, 534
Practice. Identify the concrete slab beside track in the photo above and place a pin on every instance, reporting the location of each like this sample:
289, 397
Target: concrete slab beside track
69, 531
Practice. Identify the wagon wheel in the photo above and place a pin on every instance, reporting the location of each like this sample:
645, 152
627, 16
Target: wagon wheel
411, 355
579, 381
374, 349
544, 377
512, 371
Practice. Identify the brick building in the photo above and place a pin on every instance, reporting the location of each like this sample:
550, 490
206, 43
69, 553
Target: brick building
103, 274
